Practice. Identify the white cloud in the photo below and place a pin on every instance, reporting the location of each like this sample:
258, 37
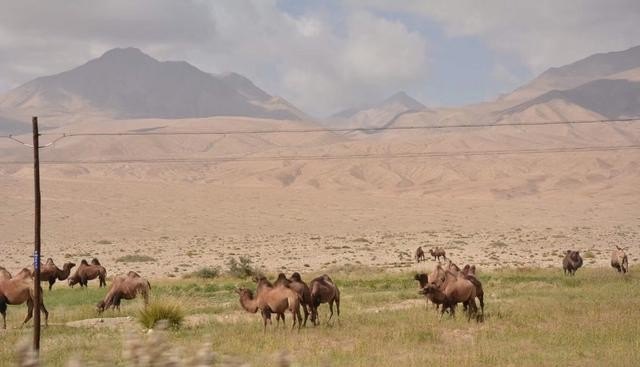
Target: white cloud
317, 64
541, 33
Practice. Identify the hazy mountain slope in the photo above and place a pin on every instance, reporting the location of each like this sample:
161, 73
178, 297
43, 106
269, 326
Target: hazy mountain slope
598, 66
376, 115
126, 83
609, 98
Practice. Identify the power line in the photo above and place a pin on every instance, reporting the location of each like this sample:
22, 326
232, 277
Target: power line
345, 130
339, 157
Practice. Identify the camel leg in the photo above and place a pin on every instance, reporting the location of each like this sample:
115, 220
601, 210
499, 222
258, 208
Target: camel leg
46, 314
3, 311
52, 281
305, 310
481, 298
29, 311
330, 311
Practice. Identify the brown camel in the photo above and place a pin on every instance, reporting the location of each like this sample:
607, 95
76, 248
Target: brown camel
423, 280
571, 262
270, 299
323, 290
619, 260
469, 272
86, 272
49, 272
419, 254
437, 253
125, 287
299, 286
454, 289
18, 290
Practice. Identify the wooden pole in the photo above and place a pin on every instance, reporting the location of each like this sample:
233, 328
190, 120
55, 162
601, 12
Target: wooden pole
36, 251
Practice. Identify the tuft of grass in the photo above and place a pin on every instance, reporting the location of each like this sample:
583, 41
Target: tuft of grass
166, 311
207, 272
135, 259
589, 255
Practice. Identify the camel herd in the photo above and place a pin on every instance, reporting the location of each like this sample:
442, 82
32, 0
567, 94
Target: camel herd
290, 294
19, 289
446, 286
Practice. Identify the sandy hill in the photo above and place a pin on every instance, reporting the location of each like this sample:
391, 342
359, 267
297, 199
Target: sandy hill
126, 83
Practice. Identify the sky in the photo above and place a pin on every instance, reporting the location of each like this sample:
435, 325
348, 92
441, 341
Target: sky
325, 56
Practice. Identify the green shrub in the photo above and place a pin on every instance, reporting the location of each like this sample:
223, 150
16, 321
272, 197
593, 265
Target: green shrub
135, 259
241, 268
167, 311
207, 272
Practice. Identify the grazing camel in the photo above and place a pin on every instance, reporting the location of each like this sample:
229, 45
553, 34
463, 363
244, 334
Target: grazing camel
324, 290
571, 262
619, 260
423, 280
299, 286
437, 253
125, 287
269, 300
419, 254
86, 272
18, 290
451, 289
49, 272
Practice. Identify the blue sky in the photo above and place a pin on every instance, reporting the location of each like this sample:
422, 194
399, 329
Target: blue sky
324, 56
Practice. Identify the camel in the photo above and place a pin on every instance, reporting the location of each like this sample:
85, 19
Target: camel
451, 289
323, 290
299, 286
437, 253
86, 272
571, 262
18, 290
49, 272
270, 299
619, 260
469, 272
423, 280
125, 287
419, 254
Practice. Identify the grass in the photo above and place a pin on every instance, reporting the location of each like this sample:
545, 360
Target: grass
534, 317
168, 311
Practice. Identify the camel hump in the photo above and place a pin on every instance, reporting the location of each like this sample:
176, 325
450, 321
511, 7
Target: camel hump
49, 261
95, 261
84, 262
133, 274
296, 276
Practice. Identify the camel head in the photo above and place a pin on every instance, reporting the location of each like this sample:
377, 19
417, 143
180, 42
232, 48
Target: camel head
101, 306
296, 277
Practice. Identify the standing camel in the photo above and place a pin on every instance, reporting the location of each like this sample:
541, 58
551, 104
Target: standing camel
49, 272
269, 300
86, 272
619, 260
16, 291
419, 254
299, 286
324, 290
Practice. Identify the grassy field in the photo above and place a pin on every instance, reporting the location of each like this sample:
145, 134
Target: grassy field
534, 317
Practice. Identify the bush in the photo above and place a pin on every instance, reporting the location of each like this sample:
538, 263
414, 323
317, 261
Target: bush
168, 311
135, 259
207, 272
241, 268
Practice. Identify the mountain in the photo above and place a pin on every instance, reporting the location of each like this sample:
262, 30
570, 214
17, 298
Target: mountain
380, 114
127, 83
594, 67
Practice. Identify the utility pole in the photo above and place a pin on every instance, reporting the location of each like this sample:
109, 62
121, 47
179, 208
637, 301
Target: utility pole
36, 251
